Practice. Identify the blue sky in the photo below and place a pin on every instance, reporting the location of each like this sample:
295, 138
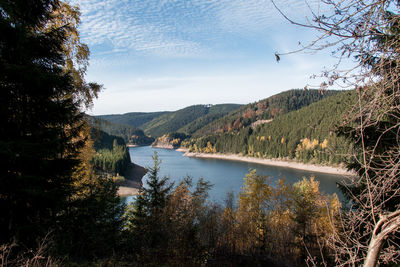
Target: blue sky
154, 55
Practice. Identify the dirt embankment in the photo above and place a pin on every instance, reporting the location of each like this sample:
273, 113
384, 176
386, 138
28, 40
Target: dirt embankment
133, 182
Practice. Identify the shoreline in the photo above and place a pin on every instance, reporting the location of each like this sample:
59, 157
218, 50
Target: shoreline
134, 145
272, 162
133, 182
131, 145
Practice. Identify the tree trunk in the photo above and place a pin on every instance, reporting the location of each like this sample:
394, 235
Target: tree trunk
374, 249
387, 224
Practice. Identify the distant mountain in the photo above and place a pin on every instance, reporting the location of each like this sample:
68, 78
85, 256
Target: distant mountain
186, 120
264, 110
134, 119
129, 134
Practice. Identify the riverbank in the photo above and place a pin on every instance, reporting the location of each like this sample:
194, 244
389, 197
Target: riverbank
133, 182
134, 145
131, 145
272, 162
163, 146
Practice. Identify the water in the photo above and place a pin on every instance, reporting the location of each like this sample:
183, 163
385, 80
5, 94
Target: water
225, 175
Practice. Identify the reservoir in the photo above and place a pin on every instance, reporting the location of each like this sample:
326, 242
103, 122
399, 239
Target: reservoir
224, 175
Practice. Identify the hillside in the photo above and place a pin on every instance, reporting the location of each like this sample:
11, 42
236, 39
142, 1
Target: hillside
202, 120
129, 134
214, 113
134, 119
306, 135
265, 109
187, 119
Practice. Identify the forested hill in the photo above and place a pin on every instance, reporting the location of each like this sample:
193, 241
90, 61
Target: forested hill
306, 135
264, 110
186, 120
134, 119
129, 134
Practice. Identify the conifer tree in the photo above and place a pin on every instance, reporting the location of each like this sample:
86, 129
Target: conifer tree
47, 182
146, 223
40, 122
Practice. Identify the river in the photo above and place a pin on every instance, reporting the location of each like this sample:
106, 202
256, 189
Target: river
225, 175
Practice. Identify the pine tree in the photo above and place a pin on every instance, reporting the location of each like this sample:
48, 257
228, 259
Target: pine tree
47, 183
39, 137
146, 223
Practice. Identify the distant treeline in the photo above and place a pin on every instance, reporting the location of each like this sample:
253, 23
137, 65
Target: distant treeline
129, 134
186, 120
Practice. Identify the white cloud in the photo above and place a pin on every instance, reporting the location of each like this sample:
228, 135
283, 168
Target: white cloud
175, 28
167, 54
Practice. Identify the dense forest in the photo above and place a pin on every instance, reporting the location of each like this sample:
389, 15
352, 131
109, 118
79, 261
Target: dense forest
264, 110
58, 208
112, 156
313, 138
131, 135
134, 119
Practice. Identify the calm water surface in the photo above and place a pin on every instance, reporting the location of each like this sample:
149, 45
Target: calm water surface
225, 175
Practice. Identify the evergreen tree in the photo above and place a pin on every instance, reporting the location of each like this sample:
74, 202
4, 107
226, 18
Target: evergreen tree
146, 223
40, 122
47, 183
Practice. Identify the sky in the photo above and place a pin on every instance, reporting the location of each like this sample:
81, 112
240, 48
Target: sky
157, 55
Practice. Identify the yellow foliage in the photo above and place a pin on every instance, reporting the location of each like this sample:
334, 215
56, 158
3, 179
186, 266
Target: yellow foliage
325, 207
281, 214
308, 144
195, 148
175, 141
324, 144
209, 148
250, 151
